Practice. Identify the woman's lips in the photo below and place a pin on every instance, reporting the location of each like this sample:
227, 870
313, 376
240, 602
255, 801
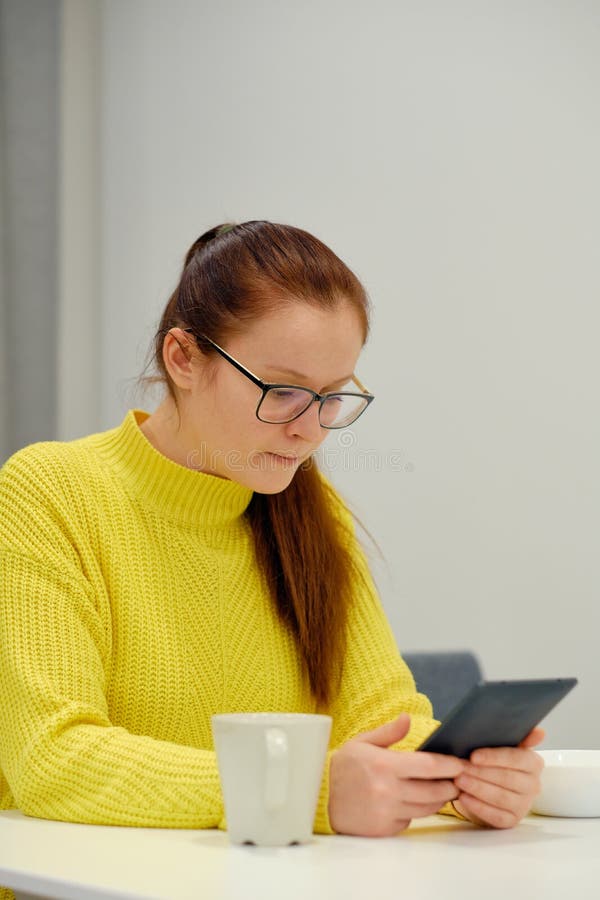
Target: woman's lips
284, 460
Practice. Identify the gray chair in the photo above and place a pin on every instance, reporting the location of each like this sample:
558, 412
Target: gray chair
444, 676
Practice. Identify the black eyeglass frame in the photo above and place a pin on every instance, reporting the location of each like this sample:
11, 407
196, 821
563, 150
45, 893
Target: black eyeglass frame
266, 386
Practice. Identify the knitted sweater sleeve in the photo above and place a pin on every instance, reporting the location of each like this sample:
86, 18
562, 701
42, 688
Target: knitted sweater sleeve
59, 752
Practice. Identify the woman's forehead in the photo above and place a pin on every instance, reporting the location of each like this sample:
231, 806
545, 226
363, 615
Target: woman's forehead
303, 342
303, 324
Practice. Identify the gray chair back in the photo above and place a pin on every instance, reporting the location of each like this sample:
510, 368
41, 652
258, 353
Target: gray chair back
444, 676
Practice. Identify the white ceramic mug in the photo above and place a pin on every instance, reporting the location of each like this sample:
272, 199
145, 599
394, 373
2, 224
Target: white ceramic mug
271, 766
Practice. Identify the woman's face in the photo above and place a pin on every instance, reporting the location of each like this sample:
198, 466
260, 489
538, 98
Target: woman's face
299, 344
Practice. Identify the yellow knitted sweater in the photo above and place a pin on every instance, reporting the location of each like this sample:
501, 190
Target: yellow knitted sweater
131, 610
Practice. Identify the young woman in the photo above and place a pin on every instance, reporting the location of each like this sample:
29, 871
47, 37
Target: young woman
195, 561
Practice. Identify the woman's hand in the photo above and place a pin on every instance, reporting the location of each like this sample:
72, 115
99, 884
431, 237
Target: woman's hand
498, 785
375, 792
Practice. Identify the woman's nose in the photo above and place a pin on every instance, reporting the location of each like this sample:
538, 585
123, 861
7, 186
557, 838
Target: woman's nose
307, 425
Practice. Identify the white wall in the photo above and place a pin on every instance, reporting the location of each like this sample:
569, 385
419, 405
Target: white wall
80, 263
449, 153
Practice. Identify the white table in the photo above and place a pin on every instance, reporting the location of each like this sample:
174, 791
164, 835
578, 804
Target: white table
437, 857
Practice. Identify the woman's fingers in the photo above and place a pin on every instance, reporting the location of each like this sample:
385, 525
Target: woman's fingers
376, 792
429, 766
427, 793
489, 792
534, 738
510, 779
373, 789
482, 813
498, 784
508, 758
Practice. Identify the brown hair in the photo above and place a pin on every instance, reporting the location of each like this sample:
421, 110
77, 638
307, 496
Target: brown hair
237, 272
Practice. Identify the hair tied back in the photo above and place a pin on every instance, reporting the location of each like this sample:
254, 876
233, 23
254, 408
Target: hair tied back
204, 239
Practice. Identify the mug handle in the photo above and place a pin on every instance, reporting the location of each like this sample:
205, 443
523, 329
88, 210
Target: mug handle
276, 781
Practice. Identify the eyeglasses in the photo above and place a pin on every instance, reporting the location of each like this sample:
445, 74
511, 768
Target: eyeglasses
281, 403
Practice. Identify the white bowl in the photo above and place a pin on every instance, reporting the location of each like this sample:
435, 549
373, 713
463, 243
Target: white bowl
570, 784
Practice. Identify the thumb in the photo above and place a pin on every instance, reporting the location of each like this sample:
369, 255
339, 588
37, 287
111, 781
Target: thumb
387, 734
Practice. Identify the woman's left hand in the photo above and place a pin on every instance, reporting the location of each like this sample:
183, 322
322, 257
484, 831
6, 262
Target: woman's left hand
498, 784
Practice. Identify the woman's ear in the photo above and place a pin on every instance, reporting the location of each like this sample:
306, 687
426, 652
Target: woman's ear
181, 358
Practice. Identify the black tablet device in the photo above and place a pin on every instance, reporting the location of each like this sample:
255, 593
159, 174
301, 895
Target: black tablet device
496, 714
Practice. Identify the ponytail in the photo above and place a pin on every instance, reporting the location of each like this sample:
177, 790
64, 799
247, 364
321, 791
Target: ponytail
303, 548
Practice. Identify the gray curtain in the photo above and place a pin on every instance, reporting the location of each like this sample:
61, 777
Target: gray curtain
29, 220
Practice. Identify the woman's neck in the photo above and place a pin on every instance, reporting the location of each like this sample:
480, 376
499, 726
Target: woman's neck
163, 429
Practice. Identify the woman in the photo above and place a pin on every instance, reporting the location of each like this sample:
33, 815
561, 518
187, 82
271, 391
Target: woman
194, 561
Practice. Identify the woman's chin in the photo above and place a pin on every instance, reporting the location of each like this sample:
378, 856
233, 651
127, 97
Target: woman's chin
270, 482
266, 479
268, 473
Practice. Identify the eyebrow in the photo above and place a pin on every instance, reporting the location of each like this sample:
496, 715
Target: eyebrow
301, 375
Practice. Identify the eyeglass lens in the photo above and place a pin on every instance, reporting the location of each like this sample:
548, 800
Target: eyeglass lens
285, 404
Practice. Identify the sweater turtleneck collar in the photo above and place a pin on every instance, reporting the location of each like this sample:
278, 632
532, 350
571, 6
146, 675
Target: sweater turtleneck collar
173, 490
